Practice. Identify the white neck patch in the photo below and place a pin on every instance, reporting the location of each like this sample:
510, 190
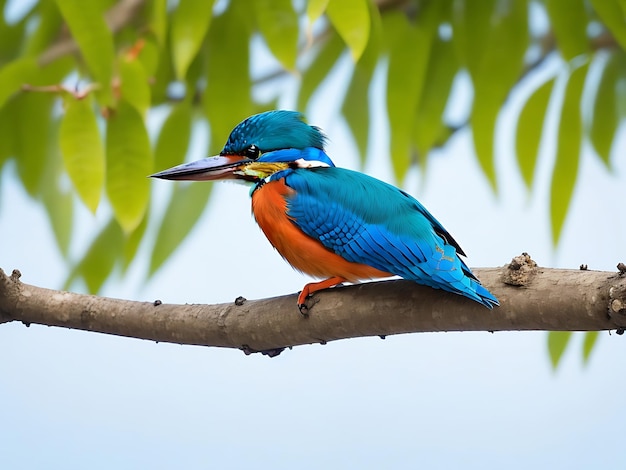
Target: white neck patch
302, 163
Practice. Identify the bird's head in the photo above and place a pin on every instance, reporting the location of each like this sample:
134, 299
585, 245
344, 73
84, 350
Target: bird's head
259, 147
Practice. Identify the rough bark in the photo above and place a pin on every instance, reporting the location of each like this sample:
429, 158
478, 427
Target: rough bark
531, 299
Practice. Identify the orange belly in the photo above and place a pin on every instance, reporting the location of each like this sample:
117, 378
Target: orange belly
269, 206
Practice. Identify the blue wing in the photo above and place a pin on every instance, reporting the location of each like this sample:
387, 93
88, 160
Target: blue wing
367, 221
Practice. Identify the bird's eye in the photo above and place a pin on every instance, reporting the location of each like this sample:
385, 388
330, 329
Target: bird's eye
253, 152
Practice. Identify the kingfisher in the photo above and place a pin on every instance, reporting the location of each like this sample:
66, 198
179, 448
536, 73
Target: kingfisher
328, 222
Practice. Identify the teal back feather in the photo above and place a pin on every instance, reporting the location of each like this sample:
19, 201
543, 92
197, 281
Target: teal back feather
375, 201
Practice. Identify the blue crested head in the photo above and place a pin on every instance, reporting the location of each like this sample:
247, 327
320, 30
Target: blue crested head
262, 146
274, 130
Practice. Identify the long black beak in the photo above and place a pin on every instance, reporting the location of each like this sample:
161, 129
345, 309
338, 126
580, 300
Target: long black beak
207, 169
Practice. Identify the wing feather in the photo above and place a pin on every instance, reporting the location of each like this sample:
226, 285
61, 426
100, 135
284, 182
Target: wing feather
367, 221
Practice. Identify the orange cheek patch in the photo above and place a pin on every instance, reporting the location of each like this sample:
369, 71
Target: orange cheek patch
269, 206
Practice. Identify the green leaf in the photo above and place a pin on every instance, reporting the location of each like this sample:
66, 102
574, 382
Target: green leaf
505, 58
229, 37
59, 205
91, 33
605, 112
351, 19
48, 28
133, 240
54, 72
11, 37
189, 26
162, 76
129, 162
355, 107
329, 52
100, 259
529, 130
557, 342
471, 29
440, 73
315, 9
183, 211
500, 67
196, 76
157, 15
134, 85
56, 197
590, 341
484, 117
613, 16
29, 120
621, 91
149, 57
569, 24
7, 134
32, 117
173, 140
14, 75
568, 151
278, 23
82, 149
408, 59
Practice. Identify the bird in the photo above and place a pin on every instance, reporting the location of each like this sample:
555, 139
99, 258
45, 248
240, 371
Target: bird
328, 222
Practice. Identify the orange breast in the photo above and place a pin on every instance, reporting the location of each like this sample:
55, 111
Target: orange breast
269, 206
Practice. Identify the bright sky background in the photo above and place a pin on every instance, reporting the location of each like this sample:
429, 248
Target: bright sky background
70, 399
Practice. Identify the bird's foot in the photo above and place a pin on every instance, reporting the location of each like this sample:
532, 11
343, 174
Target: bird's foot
305, 306
304, 310
303, 298
305, 301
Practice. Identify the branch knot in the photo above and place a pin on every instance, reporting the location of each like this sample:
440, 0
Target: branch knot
9, 286
520, 271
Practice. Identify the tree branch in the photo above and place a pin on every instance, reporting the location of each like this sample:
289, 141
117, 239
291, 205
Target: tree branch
531, 299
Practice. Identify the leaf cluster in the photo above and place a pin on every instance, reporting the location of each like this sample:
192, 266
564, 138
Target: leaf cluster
81, 81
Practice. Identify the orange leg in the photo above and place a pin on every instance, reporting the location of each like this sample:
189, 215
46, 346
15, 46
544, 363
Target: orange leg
314, 287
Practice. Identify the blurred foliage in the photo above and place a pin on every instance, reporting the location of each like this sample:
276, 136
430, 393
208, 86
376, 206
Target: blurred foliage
195, 60
559, 340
